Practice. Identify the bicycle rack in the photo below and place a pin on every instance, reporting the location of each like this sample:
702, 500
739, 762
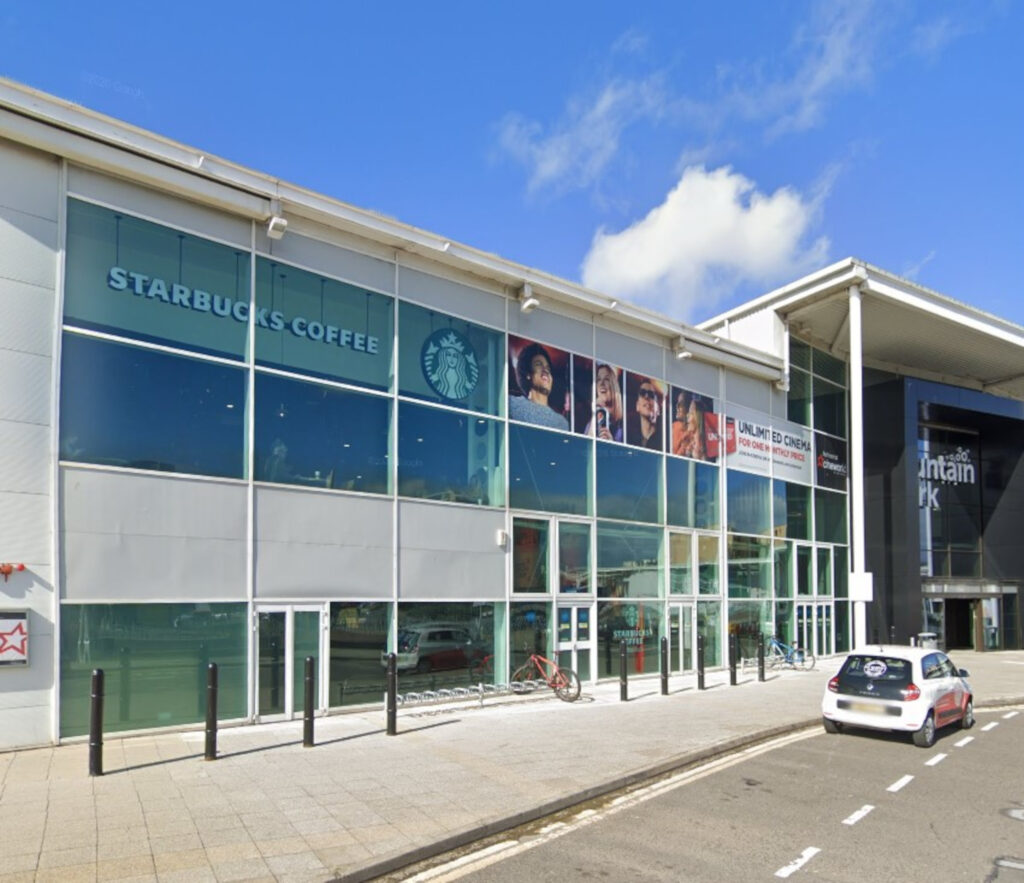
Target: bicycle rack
478, 692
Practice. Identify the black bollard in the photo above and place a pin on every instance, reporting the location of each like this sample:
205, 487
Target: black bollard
392, 695
96, 724
700, 662
664, 666
307, 711
733, 652
623, 675
760, 656
211, 712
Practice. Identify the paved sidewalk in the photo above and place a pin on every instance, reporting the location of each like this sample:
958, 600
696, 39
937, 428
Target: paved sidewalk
361, 803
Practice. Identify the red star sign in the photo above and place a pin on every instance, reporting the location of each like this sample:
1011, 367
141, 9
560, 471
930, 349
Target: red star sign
13, 643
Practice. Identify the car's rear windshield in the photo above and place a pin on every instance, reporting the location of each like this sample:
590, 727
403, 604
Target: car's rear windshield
880, 669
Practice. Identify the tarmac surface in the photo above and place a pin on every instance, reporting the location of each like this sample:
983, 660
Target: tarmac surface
361, 803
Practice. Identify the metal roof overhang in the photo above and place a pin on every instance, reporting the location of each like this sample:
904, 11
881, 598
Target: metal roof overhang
907, 329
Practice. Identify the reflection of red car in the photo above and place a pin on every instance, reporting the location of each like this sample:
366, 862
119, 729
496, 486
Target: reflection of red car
434, 647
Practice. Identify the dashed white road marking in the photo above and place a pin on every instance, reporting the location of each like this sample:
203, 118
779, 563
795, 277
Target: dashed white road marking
900, 783
1010, 714
990, 726
936, 760
797, 864
858, 815
965, 741
1010, 863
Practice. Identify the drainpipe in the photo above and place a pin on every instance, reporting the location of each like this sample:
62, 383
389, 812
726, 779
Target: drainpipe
861, 590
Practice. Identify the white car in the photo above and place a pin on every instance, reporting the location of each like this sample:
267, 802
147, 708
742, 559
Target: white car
901, 689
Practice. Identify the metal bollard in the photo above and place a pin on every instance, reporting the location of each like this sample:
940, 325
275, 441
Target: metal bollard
392, 695
733, 653
623, 675
700, 662
760, 656
96, 724
664, 666
307, 710
211, 712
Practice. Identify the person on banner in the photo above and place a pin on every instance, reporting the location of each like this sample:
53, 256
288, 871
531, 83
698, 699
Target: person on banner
607, 420
644, 427
535, 379
688, 427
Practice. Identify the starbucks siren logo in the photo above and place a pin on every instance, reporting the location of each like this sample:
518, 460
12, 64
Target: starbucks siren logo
449, 364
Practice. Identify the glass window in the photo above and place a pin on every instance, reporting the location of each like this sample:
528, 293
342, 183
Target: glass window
680, 556
130, 406
445, 644
629, 561
443, 455
798, 399
319, 436
359, 636
824, 571
692, 494
829, 408
636, 625
829, 516
450, 361
843, 643
749, 567
573, 557
707, 563
799, 353
319, 326
785, 625
791, 508
748, 502
628, 483
530, 631
134, 277
549, 471
842, 569
747, 620
783, 569
825, 365
709, 627
154, 658
530, 555
804, 570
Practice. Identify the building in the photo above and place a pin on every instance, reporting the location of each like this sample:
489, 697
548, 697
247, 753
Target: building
244, 423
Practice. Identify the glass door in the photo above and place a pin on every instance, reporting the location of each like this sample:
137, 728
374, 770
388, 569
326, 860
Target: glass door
285, 636
824, 630
804, 636
680, 638
575, 639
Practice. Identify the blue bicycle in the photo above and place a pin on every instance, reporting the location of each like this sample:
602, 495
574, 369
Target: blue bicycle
777, 654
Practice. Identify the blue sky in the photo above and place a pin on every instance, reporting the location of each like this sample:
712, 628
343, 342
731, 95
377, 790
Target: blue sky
687, 156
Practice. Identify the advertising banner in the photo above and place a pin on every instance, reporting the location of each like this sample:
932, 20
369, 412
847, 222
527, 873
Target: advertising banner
753, 446
831, 463
792, 454
13, 637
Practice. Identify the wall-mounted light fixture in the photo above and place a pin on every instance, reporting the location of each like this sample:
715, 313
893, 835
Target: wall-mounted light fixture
6, 569
680, 350
276, 227
500, 537
527, 302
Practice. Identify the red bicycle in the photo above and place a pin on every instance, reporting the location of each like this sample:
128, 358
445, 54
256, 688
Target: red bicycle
564, 681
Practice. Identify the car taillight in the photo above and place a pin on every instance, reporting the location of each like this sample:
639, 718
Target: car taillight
833, 685
910, 693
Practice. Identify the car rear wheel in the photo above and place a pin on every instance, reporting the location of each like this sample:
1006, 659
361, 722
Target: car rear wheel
925, 737
967, 721
831, 727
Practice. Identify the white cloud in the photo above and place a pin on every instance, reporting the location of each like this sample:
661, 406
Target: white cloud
912, 271
575, 152
932, 38
713, 231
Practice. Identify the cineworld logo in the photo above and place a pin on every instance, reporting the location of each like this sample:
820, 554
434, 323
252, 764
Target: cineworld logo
946, 469
829, 465
198, 301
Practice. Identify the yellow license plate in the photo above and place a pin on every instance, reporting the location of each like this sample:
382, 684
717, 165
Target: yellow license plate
866, 708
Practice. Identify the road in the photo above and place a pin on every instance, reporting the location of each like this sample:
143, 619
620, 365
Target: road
811, 806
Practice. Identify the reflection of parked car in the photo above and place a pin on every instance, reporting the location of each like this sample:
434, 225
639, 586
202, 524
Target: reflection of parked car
434, 647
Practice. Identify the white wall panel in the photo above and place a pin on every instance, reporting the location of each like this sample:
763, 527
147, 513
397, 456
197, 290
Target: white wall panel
332, 260
449, 553
448, 296
28, 245
748, 392
693, 374
559, 331
630, 353
29, 181
316, 545
159, 206
28, 317
24, 387
24, 529
24, 457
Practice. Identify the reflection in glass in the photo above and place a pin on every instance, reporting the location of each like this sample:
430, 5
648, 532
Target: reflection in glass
129, 406
155, 658
628, 483
445, 644
829, 516
783, 569
824, 571
638, 626
798, 398
549, 471
749, 502
791, 510
842, 611
692, 490
749, 567
804, 570
709, 626
445, 455
707, 562
358, 636
829, 407
529, 631
573, 557
270, 663
629, 561
305, 642
747, 620
529, 555
680, 552
320, 436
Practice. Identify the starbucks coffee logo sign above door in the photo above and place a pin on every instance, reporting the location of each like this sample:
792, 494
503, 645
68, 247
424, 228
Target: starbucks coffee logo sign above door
449, 364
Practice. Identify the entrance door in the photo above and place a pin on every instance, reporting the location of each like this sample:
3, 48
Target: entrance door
680, 637
575, 639
805, 627
285, 636
824, 630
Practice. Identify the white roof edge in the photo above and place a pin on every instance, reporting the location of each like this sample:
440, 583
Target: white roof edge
258, 193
